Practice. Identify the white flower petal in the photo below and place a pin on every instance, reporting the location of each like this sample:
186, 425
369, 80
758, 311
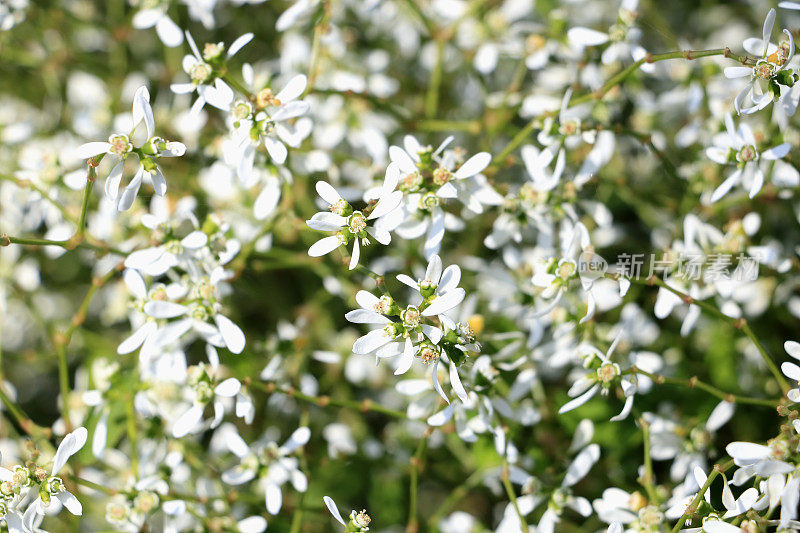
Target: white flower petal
324, 246
293, 89
85, 151
231, 333
581, 37
331, 505
446, 302
274, 498
228, 388
239, 43
164, 309
473, 165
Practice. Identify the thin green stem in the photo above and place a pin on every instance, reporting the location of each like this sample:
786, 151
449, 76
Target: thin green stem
87, 195
69, 244
297, 515
230, 80
511, 495
364, 406
612, 82
92, 485
394, 109
61, 340
133, 432
457, 494
24, 421
413, 495
23, 183
380, 281
434, 85
694, 383
320, 29
692, 507
738, 323
648, 480
469, 126
429, 25
63, 382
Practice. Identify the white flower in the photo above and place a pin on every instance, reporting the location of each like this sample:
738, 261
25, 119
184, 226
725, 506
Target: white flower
738, 146
12, 12
359, 521
205, 391
204, 71
622, 36
792, 371
120, 146
428, 177
763, 460
555, 276
770, 78
269, 462
439, 289
688, 445
407, 332
562, 497
169, 32
52, 485
621, 507
350, 224
265, 121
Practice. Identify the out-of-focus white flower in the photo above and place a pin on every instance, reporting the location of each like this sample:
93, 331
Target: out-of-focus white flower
622, 38
792, 371
268, 462
738, 146
169, 32
12, 12
204, 391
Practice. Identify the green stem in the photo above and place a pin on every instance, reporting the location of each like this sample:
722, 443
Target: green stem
469, 126
62, 340
24, 421
397, 111
87, 195
63, 381
364, 406
432, 97
648, 480
612, 82
380, 281
693, 383
454, 497
413, 496
412, 4
23, 183
297, 515
320, 28
227, 78
92, 485
133, 433
692, 507
69, 244
511, 496
738, 323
